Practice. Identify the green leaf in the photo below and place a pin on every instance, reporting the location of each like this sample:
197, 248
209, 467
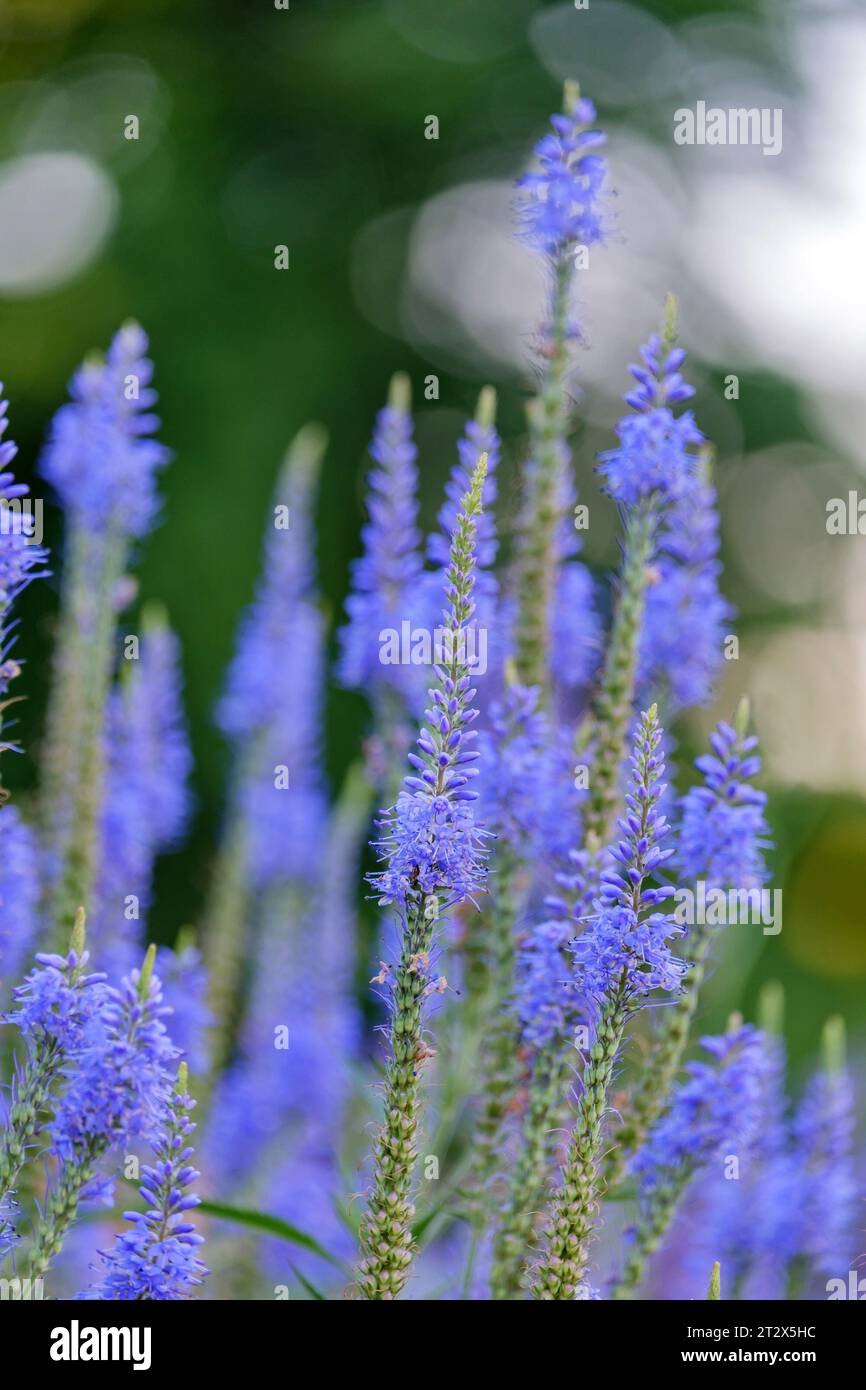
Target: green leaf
305, 1283
715, 1289
272, 1226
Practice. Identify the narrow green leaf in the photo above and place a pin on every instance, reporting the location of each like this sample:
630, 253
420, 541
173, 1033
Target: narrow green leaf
715, 1290
270, 1225
310, 1288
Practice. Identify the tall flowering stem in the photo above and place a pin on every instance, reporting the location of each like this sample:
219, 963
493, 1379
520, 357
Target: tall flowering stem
386, 579
621, 958
270, 712
434, 855
21, 560
652, 468
157, 1259
549, 1011
528, 1179
559, 211
722, 839
51, 1011
715, 1111
102, 461
118, 1087
612, 712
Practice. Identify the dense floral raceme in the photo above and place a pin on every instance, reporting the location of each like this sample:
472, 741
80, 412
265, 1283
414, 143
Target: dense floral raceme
560, 202
271, 707
686, 618
386, 574
157, 1258
101, 457
19, 896
58, 1003
146, 798
715, 1112
431, 841
118, 1078
824, 1132
723, 832
624, 948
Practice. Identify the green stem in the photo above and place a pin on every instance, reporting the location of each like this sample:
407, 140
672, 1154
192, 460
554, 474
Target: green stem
25, 1112
613, 709
529, 1180
225, 939
386, 1227
560, 1272
654, 1085
649, 1232
500, 1066
74, 746
61, 1208
548, 426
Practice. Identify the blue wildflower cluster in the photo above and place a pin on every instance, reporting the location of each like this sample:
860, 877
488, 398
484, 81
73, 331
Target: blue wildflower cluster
716, 1111
723, 833
526, 1016
560, 203
385, 575
625, 946
157, 1259
101, 456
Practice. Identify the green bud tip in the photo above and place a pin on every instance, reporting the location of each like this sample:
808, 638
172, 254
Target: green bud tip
154, 616
183, 1078
479, 473
715, 1289
304, 456
146, 973
485, 411
771, 1008
669, 325
706, 462
400, 393
79, 933
570, 95
184, 940
833, 1044
743, 717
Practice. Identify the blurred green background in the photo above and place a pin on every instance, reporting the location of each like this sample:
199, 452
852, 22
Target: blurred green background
305, 127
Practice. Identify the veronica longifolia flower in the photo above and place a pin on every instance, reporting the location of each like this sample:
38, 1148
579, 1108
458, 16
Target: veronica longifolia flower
385, 576
716, 1111
715, 1115
624, 949
272, 706
560, 201
681, 644
146, 797
723, 832
53, 1011
19, 893
157, 1258
119, 1083
101, 457
656, 457
435, 857
824, 1130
